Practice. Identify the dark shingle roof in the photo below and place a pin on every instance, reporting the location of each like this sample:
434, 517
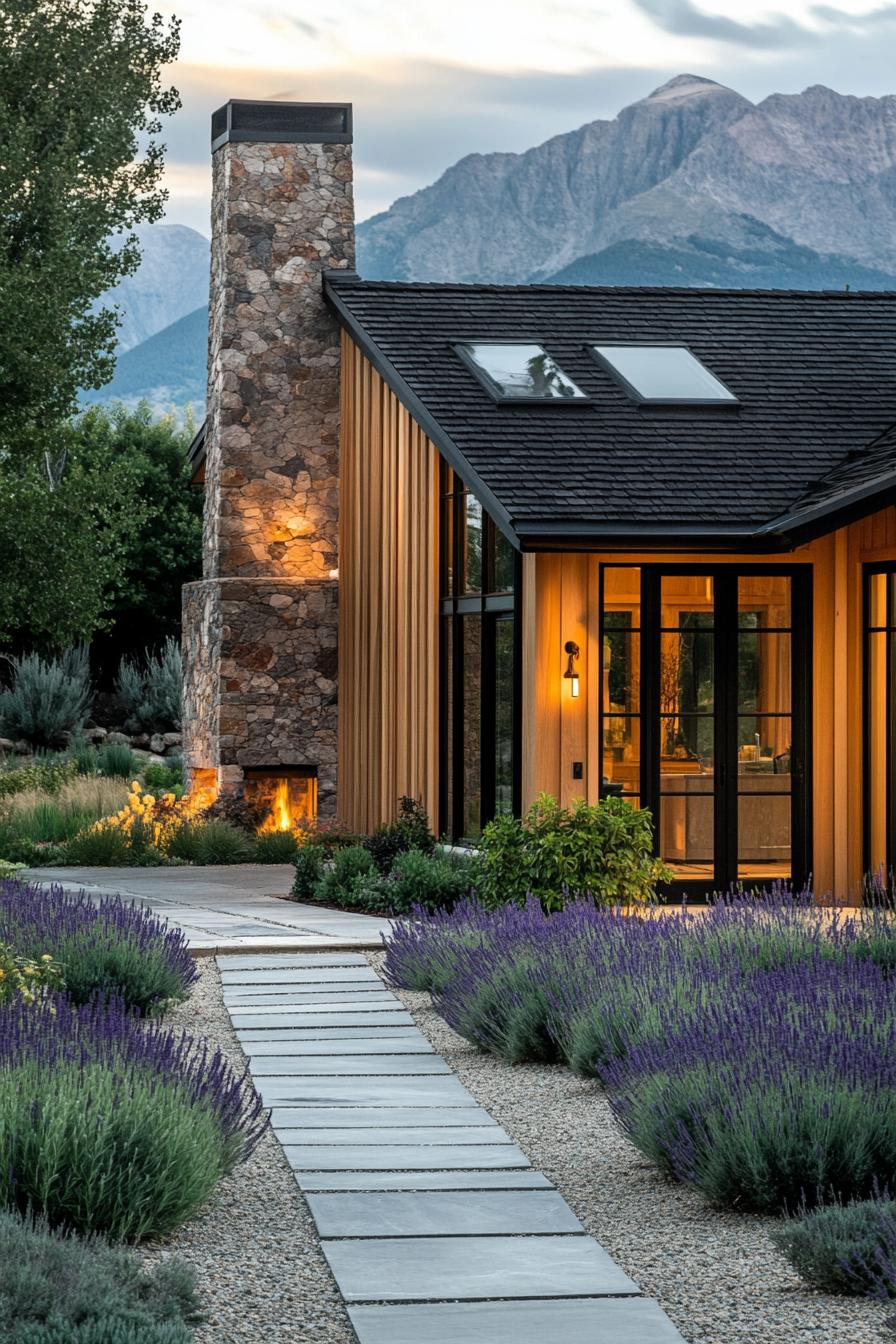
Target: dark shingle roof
815, 374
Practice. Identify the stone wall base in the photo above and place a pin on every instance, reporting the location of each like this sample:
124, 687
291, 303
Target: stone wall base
260, 660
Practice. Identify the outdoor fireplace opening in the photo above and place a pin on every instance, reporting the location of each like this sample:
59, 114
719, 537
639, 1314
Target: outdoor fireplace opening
286, 795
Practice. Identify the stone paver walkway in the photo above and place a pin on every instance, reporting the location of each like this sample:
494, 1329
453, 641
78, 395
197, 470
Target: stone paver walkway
435, 1225
228, 909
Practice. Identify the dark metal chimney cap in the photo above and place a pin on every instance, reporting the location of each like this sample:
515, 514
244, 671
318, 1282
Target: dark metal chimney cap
282, 123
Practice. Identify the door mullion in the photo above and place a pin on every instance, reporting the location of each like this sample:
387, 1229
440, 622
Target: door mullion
726, 667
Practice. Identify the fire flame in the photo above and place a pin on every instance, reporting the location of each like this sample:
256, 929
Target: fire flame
280, 817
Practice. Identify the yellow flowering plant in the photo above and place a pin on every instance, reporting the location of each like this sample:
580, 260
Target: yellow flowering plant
26, 977
147, 822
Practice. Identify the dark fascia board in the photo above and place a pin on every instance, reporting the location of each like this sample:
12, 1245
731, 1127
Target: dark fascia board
587, 535
197, 449
802, 525
730, 403
412, 403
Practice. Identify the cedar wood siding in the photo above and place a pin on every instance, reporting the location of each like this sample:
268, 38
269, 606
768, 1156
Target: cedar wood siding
388, 602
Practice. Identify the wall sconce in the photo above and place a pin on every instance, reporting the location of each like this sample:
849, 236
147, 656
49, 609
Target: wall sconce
571, 649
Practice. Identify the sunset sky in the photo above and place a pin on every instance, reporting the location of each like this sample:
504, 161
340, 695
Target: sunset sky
432, 81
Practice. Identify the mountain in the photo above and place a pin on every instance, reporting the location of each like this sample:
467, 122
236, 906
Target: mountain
172, 281
693, 185
167, 370
694, 168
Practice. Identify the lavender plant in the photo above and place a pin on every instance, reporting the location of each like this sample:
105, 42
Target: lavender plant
109, 947
112, 1124
844, 1248
780, 1093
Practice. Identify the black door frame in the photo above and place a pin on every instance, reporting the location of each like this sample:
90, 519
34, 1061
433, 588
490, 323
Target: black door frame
889, 626
725, 794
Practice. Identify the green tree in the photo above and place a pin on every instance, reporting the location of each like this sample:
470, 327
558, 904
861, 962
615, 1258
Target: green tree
81, 97
65, 521
98, 538
165, 551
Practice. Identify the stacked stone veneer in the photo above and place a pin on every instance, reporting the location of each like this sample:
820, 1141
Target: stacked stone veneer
260, 628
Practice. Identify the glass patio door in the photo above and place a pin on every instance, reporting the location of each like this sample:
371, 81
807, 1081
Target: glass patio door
704, 709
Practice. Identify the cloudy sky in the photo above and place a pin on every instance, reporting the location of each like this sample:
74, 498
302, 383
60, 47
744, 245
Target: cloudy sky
432, 81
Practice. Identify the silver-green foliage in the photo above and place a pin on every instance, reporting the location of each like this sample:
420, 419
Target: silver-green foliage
151, 690
62, 1289
844, 1248
48, 697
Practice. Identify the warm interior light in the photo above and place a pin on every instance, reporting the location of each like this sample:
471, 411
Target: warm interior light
280, 816
574, 686
289, 800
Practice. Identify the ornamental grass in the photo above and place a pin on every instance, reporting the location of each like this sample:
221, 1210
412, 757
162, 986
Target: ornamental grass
115, 1125
109, 947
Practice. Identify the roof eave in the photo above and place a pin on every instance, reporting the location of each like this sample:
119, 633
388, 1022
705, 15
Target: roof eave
799, 526
412, 403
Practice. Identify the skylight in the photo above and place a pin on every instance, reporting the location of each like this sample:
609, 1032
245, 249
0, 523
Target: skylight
515, 371
667, 374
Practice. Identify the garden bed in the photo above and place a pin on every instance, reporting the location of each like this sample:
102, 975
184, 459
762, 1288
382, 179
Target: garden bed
716, 1274
261, 1275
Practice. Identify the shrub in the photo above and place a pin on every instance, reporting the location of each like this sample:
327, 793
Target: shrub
409, 831
844, 1248
151, 692
276, 847
167, 778
9, 869
116, 761
100, 847
429, 881
111, 1124
48, 776
780, 1093
48, 698
337, 886
109, 948
62, 1289
604, 851
210, 842
333, 835
309, 866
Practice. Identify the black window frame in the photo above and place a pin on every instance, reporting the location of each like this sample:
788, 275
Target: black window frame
493, 387
869, 570
454, 607
731, 403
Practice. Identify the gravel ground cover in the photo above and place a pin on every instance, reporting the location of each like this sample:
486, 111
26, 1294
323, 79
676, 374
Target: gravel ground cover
716, 1274
262, 1277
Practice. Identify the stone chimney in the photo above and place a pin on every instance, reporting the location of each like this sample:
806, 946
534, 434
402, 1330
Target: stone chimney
260, 627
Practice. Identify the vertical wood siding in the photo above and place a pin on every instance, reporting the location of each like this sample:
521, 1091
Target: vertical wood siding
388, 583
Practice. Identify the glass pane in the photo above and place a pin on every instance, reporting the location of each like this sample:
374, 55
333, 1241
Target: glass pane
763, 835
505, 563
877, 749
622, 596
622, 754
448, 745
687, 601
472, 727
763, 601
686, 833
621, 671
503, 716
881, 584
472, 544
448, 505
687, 683
764, 746
520, 370
687, 759
764, 673
663, 373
